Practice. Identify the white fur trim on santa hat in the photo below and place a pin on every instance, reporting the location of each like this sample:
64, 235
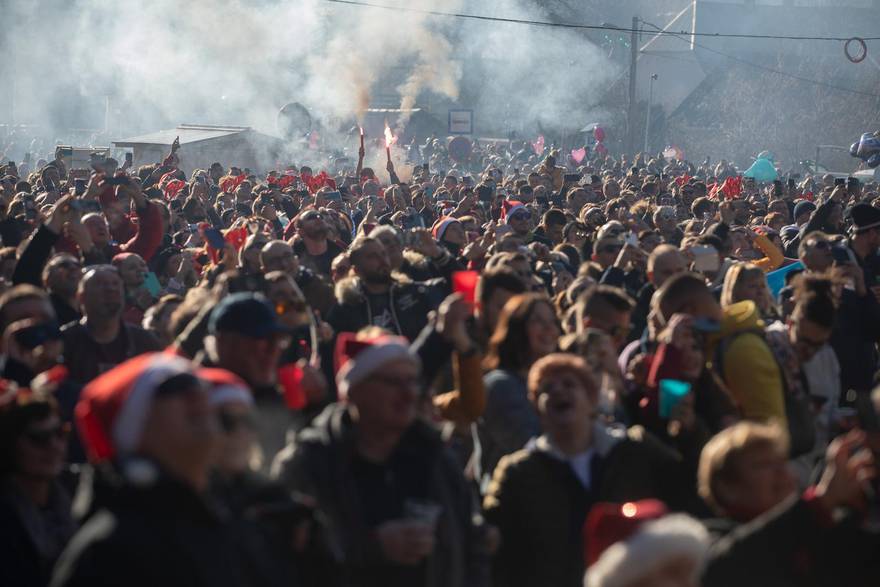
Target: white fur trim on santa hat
440, 228
369, 360
656, 542
511, 211
129, 422
223, 394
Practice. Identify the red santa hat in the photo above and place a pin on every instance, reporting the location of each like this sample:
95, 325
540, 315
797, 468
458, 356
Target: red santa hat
113, 408
441, 225
358, 359
509, 208
225, 387
626, 542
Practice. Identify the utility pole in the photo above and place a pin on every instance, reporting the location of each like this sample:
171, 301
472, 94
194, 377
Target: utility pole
650, 100
631, 113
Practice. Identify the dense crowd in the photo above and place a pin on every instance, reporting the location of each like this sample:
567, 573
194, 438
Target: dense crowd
512, 369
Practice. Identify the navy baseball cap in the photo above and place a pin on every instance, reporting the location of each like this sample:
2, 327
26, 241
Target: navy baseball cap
245, 313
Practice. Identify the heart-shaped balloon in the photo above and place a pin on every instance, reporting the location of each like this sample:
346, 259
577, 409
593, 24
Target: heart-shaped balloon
538, 145
579, 154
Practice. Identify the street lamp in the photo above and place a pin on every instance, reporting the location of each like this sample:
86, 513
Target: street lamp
650, 99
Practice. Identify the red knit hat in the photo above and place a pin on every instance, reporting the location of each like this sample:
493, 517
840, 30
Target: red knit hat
441, 225
357, 359
112, 409
509, 208
225, 386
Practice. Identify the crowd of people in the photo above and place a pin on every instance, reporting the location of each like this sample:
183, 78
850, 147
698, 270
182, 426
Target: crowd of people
508, 370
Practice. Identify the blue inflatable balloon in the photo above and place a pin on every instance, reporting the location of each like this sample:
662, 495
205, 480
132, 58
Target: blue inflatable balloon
867, 149
761, 170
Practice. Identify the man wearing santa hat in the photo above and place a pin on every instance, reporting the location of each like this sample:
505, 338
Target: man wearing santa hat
149, 430
518, 217
394, 498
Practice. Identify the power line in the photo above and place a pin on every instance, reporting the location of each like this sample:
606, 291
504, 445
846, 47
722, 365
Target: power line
596, 27
767, 69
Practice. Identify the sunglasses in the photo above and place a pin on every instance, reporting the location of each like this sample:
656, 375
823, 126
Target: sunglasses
231, 423
611, 249
520, 216
820, 245
43, 438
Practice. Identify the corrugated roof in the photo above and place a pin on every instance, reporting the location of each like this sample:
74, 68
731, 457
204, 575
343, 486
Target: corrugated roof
188, 133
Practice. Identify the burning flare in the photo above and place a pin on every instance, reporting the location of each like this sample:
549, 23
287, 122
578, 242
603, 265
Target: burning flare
390, 139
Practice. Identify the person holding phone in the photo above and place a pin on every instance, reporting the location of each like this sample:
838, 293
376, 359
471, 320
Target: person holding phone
858, 319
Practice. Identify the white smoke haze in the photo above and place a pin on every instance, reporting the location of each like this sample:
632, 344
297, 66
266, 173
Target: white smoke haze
237, 62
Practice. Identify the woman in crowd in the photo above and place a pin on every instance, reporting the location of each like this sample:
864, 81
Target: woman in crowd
527, 330
745, 281
34, 508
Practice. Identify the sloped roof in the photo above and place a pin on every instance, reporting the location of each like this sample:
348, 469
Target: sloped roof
188, 133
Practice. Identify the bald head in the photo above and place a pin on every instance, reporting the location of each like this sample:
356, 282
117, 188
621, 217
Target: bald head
277, 255
664, 262
101, 293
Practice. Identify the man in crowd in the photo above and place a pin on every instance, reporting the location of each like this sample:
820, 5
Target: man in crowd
395, 500
314, 248
150, 421
374, 298
102, 340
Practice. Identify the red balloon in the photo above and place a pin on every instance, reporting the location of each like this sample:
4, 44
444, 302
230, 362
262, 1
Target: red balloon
599, 133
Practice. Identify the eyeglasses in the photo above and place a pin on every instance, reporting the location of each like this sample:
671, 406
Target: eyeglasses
580, 234
43, 438
230, 423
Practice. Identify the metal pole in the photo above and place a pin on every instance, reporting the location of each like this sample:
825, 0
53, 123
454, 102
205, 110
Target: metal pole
816, 160
650, 101
631, 114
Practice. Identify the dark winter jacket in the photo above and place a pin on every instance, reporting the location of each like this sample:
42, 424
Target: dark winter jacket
855, 334
407, 309
794, 544
264, 516
149, 529
320, 463
539, 504
32, 537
